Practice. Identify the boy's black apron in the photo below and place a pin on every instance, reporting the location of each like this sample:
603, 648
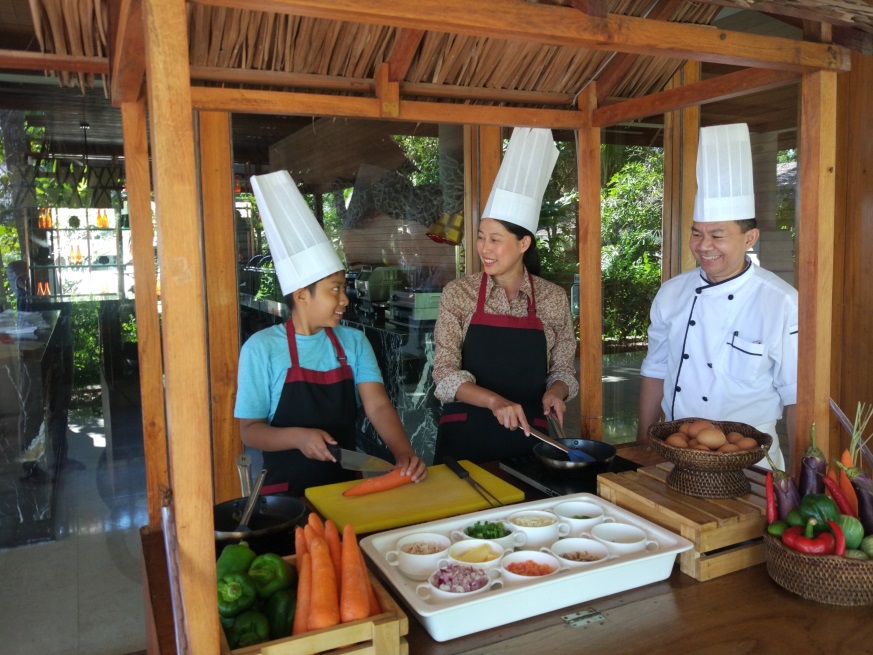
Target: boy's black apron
312, 399
509, 356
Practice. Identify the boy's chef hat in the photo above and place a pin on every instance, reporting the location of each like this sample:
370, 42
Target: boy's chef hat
301, 251
518, 191
725, 190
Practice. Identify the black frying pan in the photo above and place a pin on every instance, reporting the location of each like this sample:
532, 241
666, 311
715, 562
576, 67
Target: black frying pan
272, 523
600, 451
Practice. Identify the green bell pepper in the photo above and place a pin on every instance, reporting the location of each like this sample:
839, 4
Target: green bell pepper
819, 507
270, 573
234, 558
280, 612
236, 593
248, 629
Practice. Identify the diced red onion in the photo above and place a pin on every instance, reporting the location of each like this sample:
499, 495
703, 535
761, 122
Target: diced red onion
457, 578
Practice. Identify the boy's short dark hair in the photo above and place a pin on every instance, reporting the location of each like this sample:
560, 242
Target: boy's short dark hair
747, 224
289, 298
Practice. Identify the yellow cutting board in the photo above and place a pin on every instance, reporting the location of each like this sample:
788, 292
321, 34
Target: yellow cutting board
440, 494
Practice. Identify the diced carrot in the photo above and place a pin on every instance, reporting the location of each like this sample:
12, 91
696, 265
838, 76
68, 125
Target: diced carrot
390, 480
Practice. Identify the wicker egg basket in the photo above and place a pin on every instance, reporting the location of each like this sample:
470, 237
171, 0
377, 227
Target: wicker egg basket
708, 474
823, 578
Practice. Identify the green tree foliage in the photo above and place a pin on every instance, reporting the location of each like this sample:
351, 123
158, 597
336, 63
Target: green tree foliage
631, 244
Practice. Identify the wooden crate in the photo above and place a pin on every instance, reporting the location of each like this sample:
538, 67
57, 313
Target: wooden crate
383, 634
727, 532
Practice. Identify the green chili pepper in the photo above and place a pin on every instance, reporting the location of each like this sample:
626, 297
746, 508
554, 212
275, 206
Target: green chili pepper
248, 629
280, 612
236, 593
270, 573
234, 558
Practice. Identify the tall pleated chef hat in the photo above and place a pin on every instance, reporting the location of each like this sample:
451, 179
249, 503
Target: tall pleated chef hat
725, 189
517, 194
302, 253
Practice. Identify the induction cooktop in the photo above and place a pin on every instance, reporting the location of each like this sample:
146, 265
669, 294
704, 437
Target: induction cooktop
560, 482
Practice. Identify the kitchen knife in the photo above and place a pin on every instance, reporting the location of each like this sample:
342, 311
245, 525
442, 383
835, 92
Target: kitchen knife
354, 461
464, 474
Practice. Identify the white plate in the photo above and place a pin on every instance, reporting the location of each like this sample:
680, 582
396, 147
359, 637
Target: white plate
448, 620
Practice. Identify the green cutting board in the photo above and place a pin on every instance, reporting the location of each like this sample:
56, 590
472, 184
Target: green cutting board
439, 495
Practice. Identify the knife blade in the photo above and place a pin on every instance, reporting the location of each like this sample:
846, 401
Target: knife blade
464, 474
355, 461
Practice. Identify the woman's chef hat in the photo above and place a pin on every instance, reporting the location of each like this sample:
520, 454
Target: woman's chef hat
301, 251
517, 194
725, 191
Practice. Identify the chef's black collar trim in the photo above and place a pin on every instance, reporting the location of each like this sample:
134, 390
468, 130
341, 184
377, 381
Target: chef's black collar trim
711, 285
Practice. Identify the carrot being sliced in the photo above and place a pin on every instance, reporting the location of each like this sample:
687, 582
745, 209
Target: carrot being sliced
354, 601
315, 521
324, 606
299, 541
390, 480
304, 594
332, 537
845, 483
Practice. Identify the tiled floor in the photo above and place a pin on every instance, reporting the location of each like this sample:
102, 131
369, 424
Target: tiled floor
82, 593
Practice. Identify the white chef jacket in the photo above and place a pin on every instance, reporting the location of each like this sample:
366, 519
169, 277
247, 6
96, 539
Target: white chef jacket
727, 351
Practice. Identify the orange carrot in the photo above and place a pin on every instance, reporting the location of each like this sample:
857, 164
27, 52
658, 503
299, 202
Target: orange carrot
332, 537
354, 601
299, 541
324, 607
304, 594
310, 534
845, 483
315, 521
375, 606
378, 483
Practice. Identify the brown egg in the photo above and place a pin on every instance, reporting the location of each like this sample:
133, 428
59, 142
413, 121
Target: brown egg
729, 448
692, 443
712, 438
733, 437
700, 446
695, 428
677, 440
747, 443
684, 427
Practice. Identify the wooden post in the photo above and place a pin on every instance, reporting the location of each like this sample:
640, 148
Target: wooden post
222, 297
184, 320
590, 284
148, 327
815, 256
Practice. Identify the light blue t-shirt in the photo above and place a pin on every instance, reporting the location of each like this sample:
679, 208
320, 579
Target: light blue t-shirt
264, 361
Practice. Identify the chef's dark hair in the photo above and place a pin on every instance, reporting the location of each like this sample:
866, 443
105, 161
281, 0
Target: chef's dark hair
531, 258
747, 224
289, 298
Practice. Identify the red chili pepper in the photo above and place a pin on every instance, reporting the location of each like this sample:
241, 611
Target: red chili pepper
771, 498
805, 541
839, 539
836, 493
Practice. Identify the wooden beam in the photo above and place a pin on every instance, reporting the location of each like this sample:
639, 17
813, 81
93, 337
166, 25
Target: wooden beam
621, 63
590, 293
222, 297
311, 104
148, 327
184, 321
128, 55
37, 61
815, 261
565, 26
405, 46
597, 8
388, 93
724, 87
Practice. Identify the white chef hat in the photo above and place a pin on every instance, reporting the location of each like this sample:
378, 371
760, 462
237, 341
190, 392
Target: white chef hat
301, 251
517, 194
725, 189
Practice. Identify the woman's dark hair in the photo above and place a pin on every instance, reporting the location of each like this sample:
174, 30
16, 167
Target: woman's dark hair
289, 298
531, 258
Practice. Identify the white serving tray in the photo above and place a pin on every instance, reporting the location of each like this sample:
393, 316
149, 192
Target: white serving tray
448, 619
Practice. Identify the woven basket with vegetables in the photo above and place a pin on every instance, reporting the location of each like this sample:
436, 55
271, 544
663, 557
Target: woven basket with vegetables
819, 537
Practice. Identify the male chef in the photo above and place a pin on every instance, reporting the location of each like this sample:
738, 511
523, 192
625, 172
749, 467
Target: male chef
723, 337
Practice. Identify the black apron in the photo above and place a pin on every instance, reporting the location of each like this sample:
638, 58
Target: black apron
509, 356
312, 399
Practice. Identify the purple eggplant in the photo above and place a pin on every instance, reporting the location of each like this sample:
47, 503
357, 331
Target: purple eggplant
787, 495
863, 487
813, 468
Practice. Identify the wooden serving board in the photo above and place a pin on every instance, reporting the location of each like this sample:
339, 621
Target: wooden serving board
441, 494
